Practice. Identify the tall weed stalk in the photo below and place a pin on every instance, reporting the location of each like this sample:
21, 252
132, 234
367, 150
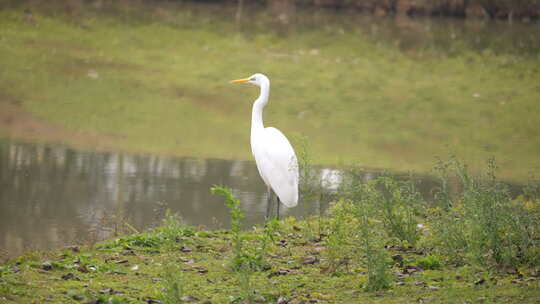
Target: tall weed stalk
397, 203
310, 186
236, 223
484, 224
371, 240
172, 285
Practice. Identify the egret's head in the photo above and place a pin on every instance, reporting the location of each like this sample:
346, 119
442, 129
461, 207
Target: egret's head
256, 79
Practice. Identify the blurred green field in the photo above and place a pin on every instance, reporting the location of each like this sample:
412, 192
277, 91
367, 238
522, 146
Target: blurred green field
154, 79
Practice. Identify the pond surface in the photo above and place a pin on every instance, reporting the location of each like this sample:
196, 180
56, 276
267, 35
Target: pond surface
52, 196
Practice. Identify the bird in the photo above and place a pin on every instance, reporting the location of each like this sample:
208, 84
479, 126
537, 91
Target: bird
274, 155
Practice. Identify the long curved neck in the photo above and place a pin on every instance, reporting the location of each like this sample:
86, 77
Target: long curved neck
258, 106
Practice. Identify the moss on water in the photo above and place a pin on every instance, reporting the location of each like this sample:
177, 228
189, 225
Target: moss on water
155, 79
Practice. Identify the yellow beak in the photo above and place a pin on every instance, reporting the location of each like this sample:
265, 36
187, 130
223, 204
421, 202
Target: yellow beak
240, 80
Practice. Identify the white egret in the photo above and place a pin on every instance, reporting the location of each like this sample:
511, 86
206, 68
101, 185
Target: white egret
273, 153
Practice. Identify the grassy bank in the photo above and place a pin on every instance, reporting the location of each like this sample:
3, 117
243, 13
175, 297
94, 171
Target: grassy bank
380, 243
137, 268
153, 79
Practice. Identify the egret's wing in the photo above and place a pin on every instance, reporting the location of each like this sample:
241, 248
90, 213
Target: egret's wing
278, 165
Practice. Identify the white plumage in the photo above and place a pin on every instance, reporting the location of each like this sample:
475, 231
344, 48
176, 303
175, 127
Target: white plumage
273, 153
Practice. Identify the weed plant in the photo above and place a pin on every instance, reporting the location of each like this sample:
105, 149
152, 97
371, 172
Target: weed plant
237, 215
310, 186
245, 283
354, 226
173, 228
339, 233
398, 203
371, 240
172, 284
483, 224
169, 234
430, 261
246, 259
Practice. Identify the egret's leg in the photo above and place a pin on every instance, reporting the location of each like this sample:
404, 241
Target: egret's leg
277, 210
269, 204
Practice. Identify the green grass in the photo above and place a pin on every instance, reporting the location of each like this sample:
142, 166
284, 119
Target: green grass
162, 87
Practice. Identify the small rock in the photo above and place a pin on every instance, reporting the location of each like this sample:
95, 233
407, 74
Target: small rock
93, 74
419, 283
317, 250
82, 268
187, 261
479, 282
259, 299
122, 261
156, 279
296, 228
189, 299
282, 300
434, 288
185, 249
481, 299
281, 271
78, 298
74, 248
69, 276
412, 269
397, 258
152, 301
136, 267
106, 291
512, 271
399, 283
309, 260
128, 252
46, 266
